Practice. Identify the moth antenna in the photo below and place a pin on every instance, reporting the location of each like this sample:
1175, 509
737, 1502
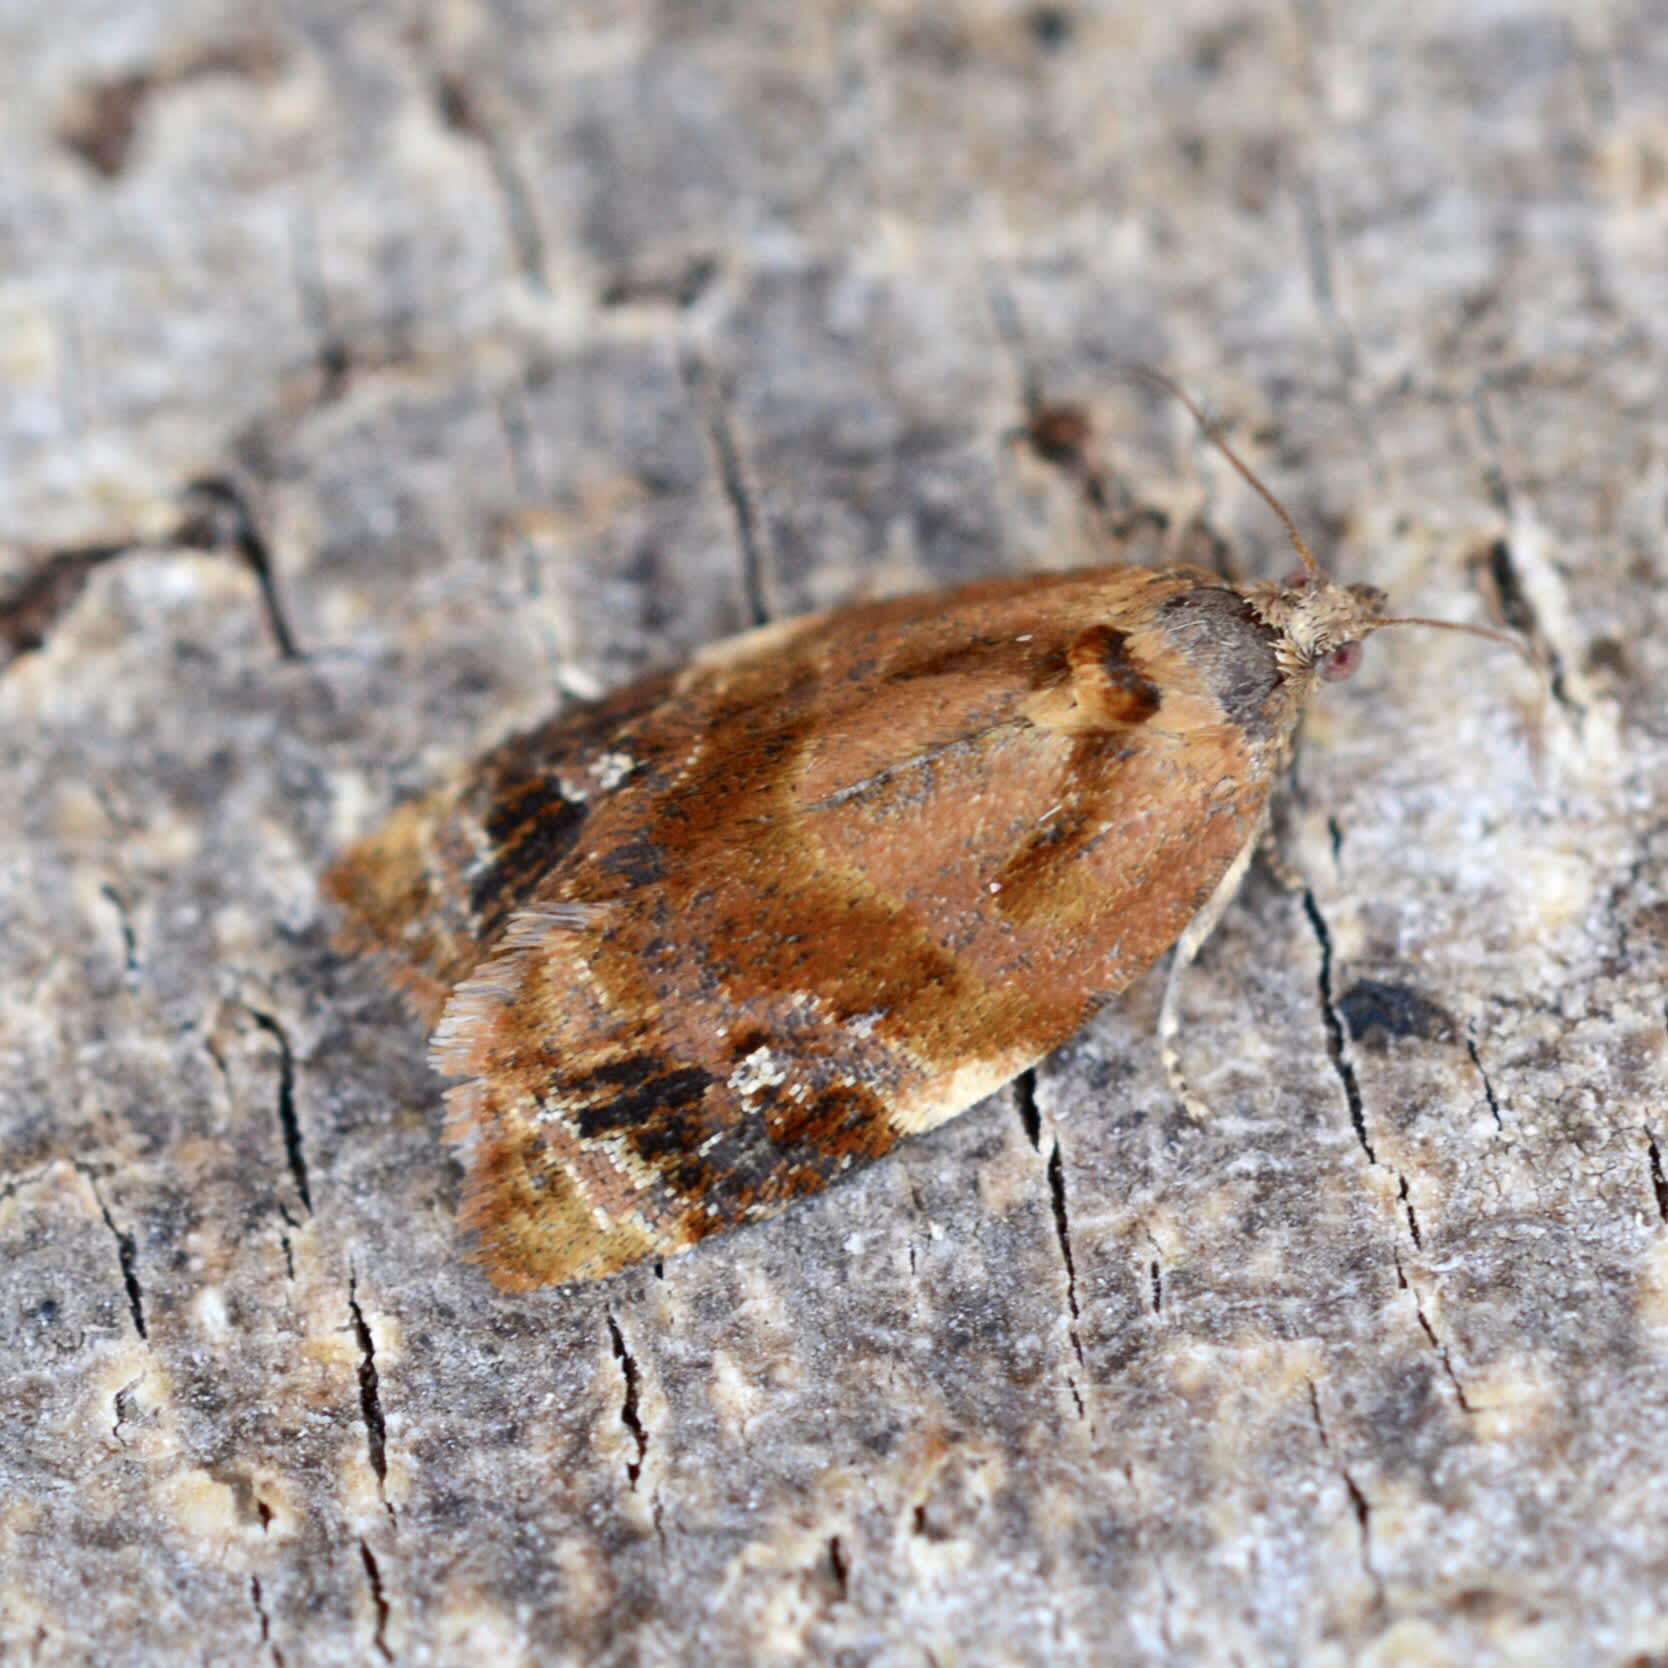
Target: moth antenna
1145, 373
1515, 644
1535, 663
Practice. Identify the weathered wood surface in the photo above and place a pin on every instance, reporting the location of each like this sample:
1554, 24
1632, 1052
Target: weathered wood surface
540, 345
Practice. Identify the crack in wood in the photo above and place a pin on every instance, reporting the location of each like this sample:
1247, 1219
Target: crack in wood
289, 1123
1025, 1100
127, 1253
1359, 1503
259, 1603
1431, 1337
1062, 1232
1412, 1218
370, 1394
30, 610
1335, 1046
1488, 1085
712, 399
124, 921
218, 518
379, 1598
460, 112
630, 1416
1659, 1184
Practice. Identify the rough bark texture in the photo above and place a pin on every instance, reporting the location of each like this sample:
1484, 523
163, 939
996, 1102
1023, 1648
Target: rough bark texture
525, 347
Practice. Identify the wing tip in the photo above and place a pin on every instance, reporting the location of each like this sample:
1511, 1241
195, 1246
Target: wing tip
526, 1238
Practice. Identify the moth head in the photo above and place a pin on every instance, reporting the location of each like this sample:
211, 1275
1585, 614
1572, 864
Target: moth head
1320, 624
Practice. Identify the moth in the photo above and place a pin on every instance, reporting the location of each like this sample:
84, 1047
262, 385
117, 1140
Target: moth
697, 949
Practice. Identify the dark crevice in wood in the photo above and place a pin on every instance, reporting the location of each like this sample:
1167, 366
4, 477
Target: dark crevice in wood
370, 1393
16, 1183
99, 120
1025, 1099
1363, 1520
218, 518
373, 1578
1062, 1231
265, 1621
1060, 434
34, 606
520, 215
1432, 1339
1659, 1185
284, 1240
127, 1255
1335, 1028
288, 1122
1063, 436
1494, 469
1518, 614
713, 401
460, 111
1051, 27
1511, 600
630, 1416
1412, 1217
334, 359
1488, 1085
838, 1568
1315, 1413
130, 946
680, 286
1357, 1499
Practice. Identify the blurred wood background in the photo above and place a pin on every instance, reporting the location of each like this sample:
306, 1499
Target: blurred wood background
374, 376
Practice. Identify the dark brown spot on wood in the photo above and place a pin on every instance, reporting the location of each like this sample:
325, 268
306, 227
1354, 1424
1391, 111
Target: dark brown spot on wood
28, 614
100, 120
1059, 433
1376, 1011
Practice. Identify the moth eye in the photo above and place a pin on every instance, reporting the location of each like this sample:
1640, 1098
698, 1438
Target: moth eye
1341, 661
1296, 579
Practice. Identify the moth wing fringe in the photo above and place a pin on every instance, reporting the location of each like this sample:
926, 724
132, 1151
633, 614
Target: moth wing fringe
474, 1008
531, 926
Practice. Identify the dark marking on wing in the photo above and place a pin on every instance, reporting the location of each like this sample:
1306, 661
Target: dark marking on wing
1100, 661
531, 830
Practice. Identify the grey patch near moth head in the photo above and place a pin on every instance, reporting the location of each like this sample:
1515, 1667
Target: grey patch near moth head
1218, 631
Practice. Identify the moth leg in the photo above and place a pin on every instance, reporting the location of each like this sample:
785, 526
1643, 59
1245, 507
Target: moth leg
1188, 946
1284, 871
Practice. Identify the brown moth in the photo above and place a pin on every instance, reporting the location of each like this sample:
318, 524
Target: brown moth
697, 949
